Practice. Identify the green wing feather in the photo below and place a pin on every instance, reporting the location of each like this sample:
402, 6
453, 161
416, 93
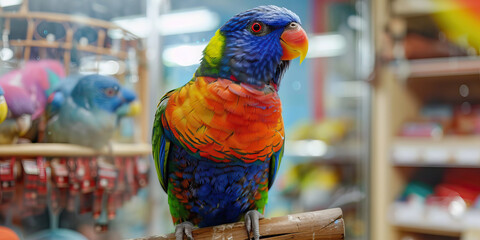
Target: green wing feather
160, 143
275, 165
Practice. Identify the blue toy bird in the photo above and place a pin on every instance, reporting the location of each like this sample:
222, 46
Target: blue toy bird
85, 110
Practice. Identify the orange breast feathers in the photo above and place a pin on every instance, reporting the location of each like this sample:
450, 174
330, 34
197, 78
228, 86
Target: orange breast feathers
225, 121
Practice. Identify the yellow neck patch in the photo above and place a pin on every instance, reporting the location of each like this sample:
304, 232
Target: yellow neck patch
214, 50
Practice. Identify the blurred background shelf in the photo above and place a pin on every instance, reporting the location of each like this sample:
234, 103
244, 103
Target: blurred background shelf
442, 67
444, 152
420, 164
61, 150
317, 151
429, 228
425, 138
432, 220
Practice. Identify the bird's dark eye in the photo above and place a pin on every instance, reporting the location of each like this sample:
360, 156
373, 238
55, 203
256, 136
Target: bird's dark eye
256, 27
110, 92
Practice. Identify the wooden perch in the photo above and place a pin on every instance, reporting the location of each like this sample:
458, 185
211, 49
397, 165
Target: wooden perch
325, 224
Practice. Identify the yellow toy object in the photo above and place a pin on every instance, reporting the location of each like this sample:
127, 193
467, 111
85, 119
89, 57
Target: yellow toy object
328, 130
323, 177
135, 109
3, 107
317, 187
460, 21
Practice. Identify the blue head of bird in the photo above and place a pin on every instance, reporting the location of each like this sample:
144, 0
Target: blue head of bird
98, 92
255, 47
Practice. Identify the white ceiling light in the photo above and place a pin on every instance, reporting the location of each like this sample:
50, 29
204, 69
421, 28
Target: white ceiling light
326, 45
307, 148
8, 3
183, 55
195, 20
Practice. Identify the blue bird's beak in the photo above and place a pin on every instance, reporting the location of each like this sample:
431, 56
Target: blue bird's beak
127, 95
132, 106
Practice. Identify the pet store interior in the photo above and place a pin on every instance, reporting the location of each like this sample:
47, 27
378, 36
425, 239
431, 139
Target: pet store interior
381, 118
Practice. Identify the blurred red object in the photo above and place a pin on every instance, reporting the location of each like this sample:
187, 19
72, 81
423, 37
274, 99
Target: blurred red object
468, 194
421, 129
467, 119
7, 180
8, 234
461, 182
462, 176
417, 46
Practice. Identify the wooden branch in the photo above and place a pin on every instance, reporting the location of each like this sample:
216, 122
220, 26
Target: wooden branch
326, 224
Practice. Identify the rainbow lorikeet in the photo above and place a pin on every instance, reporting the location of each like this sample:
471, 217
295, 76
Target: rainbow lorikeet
218, 140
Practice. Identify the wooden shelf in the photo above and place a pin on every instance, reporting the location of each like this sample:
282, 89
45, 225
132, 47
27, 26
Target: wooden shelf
445, 152
428, 228
61, 150
435, 165
443, 67
439, 79
432, 220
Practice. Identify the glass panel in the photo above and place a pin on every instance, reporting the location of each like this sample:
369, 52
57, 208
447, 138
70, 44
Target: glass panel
73, 157
325, 101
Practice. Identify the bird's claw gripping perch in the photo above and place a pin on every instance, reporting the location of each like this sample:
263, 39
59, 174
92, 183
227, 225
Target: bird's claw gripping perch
184, 228
252, 218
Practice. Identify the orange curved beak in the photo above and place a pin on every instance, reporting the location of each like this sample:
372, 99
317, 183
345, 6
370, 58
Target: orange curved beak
294, 42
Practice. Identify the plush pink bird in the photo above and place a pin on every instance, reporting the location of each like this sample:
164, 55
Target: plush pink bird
26, 92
